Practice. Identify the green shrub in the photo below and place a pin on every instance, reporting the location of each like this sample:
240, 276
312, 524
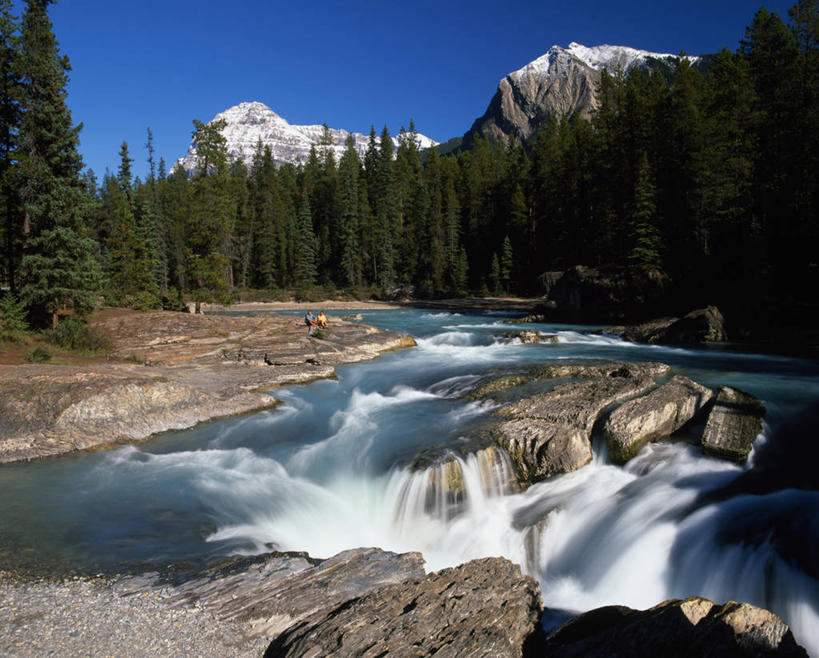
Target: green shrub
13, 325
75, 335
319, 333
143, 301
39, 354
172, 300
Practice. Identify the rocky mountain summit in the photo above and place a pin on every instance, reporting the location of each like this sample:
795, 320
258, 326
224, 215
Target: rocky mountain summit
249, 123
561, 82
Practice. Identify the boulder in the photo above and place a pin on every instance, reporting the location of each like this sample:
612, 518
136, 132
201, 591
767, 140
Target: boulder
654, 416
692, 627
733, 424
550, 433
530, 337
704, 325
481, 608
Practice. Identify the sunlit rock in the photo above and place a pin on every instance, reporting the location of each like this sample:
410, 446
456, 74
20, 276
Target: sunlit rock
653, 416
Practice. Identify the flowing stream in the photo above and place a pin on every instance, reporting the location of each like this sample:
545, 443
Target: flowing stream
357, 462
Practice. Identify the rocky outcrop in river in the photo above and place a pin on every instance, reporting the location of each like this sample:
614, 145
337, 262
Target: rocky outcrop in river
656, 415
170, 371
550, 432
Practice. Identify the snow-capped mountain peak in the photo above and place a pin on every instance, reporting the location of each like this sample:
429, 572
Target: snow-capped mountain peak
248, 123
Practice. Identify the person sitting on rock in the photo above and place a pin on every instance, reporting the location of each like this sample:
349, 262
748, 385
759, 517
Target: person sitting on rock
322, 320
310, 321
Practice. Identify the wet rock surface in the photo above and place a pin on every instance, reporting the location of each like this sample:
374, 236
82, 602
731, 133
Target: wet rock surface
733, 424
170, 371
688, 628
482, 608
653, 416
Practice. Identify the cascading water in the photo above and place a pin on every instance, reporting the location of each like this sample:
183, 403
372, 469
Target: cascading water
387, 456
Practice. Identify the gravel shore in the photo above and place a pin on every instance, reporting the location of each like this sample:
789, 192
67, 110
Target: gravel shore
89, 618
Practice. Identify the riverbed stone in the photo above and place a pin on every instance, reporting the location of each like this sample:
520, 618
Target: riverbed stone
733, 424
674, 629
481, 608
656, 415
550, 433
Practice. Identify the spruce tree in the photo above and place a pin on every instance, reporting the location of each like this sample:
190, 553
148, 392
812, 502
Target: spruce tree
305, 266
348, 220
59, 266
10, 95
644, 253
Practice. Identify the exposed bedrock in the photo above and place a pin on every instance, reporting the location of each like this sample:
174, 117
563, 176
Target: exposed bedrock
481, 608
656, 415
733, 424
274, 592
550, 433
675, 628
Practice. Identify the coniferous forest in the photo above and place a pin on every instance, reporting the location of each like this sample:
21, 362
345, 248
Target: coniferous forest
707, 175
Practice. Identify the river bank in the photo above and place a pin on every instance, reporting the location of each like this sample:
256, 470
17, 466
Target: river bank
169, 371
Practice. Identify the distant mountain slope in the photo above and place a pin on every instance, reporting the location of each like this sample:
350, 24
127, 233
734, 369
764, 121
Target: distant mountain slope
561, 82
247, 123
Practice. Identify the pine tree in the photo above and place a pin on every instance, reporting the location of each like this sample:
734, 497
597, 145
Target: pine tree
10, 95
506, 264
349, 208
212, 215
644, 253
305, 266
59, 267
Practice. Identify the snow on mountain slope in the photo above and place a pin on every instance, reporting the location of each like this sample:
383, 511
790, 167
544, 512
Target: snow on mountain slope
561, 82
247, 123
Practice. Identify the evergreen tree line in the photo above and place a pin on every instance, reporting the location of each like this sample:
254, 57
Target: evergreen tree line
704, 174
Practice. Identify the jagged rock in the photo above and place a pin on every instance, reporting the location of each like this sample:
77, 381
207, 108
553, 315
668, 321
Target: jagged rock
550, 433
481, 608
562, 82
653, 416
527, 319
278, 592
733, 424
694, 627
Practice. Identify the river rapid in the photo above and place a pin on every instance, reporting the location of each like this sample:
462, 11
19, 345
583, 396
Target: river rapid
352, 462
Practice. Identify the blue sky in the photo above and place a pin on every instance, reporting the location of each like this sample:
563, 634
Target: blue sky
163, 63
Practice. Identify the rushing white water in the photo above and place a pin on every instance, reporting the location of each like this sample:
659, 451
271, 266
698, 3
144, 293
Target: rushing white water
387, 456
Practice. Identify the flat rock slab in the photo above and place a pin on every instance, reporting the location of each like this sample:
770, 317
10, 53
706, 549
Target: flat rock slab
733, 424
550, 433
481, 608
653, 416
690, 628
169, 371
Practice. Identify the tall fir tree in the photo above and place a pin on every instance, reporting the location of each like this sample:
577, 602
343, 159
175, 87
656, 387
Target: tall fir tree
10, 96
60, 269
